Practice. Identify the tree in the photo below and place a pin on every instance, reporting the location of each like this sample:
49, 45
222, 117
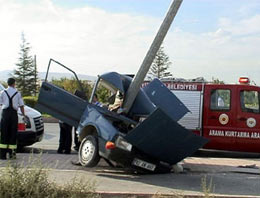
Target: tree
217, 81
26, 73
35, 75
103, 94
160, 65
71, 85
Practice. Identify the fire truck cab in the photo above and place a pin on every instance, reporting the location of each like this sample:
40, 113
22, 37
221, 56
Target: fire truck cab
227, 114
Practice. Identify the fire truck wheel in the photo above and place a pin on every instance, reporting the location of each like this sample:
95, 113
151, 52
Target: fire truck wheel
88, 151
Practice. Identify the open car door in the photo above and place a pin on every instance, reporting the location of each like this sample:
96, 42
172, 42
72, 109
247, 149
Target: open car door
61, 104
161, 137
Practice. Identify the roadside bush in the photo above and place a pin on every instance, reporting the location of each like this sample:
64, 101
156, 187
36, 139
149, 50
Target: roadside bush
31, 181
30, 101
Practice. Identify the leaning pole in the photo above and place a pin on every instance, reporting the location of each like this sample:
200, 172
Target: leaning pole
146, 64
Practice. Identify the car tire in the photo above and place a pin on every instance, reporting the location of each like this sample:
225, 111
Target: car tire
88, 151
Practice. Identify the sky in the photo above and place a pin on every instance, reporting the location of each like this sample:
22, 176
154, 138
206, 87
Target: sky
208, 38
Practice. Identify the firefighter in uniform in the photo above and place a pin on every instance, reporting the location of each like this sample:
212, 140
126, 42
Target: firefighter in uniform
65, 138
10, 101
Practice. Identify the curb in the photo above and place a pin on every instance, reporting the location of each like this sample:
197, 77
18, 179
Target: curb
172, 195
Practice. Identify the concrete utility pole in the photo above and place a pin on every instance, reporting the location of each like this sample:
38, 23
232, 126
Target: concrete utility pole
147, 62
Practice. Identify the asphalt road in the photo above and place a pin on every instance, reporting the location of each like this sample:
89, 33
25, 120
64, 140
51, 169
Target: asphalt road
219, 169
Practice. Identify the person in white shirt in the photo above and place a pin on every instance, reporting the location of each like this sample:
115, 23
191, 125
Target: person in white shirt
221, 102
10, 101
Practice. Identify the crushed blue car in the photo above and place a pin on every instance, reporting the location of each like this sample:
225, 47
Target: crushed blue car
146, 139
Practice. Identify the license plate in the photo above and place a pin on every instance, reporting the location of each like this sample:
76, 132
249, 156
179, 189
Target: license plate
143, 164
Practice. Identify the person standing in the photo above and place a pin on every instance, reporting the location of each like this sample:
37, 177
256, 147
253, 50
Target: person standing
10, 100
76, 140
65, 138
95, 101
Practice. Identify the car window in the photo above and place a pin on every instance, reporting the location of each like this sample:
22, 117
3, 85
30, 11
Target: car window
105, 92
220, 99
249, 101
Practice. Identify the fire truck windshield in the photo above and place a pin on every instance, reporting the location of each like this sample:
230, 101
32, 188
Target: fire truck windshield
250, 101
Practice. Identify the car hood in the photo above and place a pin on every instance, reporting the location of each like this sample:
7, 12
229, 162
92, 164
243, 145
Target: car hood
162, 138
30, 112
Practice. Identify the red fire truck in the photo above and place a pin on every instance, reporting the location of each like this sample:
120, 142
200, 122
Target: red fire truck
227, 114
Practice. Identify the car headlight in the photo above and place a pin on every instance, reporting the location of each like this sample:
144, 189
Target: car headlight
123, 144
27, 122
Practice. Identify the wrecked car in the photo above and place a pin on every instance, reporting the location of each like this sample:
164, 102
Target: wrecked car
147, 139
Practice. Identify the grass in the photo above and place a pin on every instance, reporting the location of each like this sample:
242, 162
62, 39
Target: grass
46, 115
207, 187
31, 181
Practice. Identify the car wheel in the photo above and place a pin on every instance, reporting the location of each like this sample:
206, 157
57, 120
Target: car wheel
88, 151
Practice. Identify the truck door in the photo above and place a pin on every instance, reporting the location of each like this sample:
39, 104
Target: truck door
61, 104
248, 119
218, 116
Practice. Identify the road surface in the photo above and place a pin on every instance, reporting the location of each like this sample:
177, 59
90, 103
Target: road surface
220, 169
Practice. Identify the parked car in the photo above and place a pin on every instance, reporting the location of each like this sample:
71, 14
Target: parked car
30, 128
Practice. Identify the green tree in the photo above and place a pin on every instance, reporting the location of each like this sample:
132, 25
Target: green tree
160, 65
71, 85
217, 81
103, 94
26, 72
35, 83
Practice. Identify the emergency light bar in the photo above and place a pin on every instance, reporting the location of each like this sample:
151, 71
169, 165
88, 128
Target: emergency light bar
244, 80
